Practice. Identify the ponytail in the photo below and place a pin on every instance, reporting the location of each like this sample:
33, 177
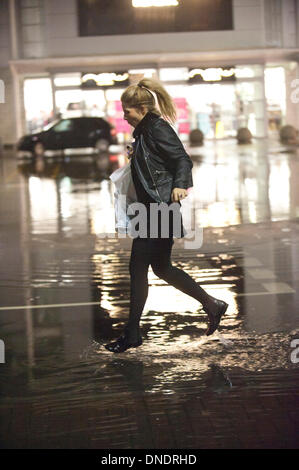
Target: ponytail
143, 94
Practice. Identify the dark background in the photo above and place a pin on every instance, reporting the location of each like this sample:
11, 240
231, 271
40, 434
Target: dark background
105, 17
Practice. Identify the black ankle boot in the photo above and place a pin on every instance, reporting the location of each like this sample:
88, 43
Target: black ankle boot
122, 344
215, 310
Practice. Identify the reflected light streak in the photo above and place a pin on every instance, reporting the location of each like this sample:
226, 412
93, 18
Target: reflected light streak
166, 298
279, 188
43, 205
105, 272
65, 197
252, 212
102, 210
102, 221
251, 187
222, 214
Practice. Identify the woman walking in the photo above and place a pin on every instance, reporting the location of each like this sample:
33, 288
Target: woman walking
162, 173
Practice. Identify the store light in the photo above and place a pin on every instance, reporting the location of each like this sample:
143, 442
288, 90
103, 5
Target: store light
244, 72
105, 79
67, 79
154, 3
173, 74
212, 74
227, 73
147, 73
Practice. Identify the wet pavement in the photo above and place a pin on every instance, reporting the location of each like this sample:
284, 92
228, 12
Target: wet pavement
64, 293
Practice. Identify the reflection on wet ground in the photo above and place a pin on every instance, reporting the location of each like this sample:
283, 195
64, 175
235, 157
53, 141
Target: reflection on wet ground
65, 292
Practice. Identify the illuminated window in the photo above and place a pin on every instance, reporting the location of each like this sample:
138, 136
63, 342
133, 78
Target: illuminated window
38, 103
67, 79
173, 74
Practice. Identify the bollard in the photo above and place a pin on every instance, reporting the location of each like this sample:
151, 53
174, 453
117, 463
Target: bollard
244, 136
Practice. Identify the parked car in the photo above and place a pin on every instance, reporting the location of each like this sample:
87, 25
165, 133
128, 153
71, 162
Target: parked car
71, 133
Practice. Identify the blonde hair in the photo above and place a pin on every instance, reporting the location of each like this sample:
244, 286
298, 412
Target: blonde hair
142, 94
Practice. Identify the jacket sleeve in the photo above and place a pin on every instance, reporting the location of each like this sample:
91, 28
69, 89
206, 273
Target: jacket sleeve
171, 149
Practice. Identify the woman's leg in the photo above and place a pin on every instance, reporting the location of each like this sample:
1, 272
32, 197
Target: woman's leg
162, 267
139, 264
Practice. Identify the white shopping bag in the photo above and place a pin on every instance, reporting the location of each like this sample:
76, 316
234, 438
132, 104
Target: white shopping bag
124, 195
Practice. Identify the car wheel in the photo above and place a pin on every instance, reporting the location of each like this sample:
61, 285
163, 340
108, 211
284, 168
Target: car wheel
101, 145
39, 149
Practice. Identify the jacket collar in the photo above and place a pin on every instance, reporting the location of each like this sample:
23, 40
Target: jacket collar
148, 118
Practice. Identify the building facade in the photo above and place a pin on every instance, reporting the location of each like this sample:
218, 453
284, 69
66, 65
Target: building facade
227, 63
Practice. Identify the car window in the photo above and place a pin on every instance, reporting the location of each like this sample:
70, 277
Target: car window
64, 126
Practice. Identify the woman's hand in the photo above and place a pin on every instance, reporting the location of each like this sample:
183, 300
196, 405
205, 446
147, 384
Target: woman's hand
130, 152
178, 194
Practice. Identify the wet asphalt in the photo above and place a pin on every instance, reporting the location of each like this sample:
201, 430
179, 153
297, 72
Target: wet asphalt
64, 293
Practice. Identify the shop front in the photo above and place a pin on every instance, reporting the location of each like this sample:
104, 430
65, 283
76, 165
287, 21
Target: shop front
216, 100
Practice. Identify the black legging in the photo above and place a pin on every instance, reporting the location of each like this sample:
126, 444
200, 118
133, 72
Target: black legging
157, 253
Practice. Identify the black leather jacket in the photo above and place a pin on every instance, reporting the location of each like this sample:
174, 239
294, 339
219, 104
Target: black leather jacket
159, 158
